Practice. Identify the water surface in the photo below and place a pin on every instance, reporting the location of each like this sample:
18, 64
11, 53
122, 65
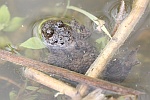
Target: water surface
34, 10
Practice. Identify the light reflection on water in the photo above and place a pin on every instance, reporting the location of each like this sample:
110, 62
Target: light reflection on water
34, 10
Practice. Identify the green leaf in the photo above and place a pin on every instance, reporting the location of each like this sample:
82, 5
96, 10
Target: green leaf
12, 95
42, 91
4, 41
2, 26
31, 97
14, 24
102, 42
127, 97
4, 16
33, 43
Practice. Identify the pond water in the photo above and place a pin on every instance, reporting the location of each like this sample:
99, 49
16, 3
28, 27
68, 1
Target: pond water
34, 10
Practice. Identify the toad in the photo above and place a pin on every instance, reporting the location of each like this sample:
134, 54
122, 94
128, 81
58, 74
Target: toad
70, 49
68, 45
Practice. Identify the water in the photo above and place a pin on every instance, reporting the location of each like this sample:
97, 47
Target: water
139, 76
34, 10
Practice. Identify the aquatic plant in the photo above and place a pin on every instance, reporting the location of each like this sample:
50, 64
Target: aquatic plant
32, 44
98, 22
7, 23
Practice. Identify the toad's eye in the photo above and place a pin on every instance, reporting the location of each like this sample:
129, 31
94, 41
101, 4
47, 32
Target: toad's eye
48, 33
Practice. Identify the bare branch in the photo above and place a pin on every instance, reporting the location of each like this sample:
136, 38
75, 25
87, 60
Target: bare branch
51, 83
122, 33
73, 76
119, 18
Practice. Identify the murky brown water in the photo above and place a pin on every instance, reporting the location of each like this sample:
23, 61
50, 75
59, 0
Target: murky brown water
33, 10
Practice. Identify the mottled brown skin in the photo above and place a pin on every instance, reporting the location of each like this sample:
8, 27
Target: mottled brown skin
56, 34
73, 50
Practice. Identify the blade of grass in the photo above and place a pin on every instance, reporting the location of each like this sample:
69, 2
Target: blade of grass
68, 3
92, 17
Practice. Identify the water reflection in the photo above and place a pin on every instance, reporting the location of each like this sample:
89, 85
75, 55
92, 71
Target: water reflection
34, 10
139, 76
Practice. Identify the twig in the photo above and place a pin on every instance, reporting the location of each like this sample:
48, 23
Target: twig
10, 81
65, 12
118, 39
51, 83
119, 18
73, 76
21, 91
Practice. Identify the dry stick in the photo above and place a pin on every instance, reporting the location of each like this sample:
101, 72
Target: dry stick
73, 76
51, 83
114, 44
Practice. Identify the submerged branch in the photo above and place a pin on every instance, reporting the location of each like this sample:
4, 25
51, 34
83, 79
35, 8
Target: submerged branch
122, 33
119, 38
119, 18
51, 83
73, 76
10, 81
